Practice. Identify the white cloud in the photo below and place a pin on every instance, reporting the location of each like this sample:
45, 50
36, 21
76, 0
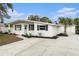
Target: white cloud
18, 16
15, 15
66, 12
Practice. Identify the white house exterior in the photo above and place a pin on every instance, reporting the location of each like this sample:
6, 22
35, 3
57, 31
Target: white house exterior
36, 28
3, 28
70, 29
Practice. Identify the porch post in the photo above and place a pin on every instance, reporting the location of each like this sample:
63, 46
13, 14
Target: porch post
22, 29
27, 30
35, 28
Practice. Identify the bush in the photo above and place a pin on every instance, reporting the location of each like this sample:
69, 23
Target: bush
77, 31
27, 35
54, 37
1, 32
5, 33
24, 35
9, 31
62, 34
30, 34
40, 34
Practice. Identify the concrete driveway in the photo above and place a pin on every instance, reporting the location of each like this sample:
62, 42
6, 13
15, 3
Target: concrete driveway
63, 46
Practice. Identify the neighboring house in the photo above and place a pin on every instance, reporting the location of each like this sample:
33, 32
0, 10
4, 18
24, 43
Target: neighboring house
36, 28
3, 28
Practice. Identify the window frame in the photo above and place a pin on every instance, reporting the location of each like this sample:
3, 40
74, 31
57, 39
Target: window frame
39, 27
16, 27
30, 27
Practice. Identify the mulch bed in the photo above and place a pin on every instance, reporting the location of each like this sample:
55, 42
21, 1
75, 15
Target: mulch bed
54, 37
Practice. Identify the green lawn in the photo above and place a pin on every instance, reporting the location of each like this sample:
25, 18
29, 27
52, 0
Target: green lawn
7, 38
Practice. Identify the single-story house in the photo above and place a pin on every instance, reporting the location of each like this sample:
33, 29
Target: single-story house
37, 28
3, 28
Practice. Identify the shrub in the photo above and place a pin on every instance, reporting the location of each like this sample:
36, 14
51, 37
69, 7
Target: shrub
24, 35
30, 34
54, 37
27, 35
9, 31
1, 32
5, 32
40, 34
62, 34
77, 31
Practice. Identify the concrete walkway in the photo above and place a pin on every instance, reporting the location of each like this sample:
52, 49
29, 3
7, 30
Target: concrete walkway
14, 48
63, 46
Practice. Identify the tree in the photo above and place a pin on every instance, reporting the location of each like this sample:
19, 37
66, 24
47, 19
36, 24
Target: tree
45, 19
37, 18
34, 18
76, 21
65, 22
3, 10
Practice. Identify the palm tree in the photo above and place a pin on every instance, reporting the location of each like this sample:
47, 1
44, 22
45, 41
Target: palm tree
76, 22
3, 10
65, 22
45, 19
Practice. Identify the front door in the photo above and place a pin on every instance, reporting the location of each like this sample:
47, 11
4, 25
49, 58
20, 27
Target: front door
25, 29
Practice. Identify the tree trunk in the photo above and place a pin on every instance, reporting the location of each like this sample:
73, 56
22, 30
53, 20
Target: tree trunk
65, 27
1, 19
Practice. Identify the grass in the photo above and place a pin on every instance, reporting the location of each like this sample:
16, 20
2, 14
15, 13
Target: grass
7, 38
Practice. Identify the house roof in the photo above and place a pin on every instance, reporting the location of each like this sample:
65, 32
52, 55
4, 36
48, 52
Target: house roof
29, 21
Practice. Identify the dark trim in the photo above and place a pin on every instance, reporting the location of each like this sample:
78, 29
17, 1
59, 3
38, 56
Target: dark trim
17, 27
25, 27
31, 27
39, 27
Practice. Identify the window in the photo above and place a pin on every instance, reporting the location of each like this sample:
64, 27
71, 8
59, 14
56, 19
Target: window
25, 26
46, 27
17, 27
42, 27
31, 26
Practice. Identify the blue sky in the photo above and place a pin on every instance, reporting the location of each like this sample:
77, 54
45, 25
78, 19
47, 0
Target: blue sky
51, 10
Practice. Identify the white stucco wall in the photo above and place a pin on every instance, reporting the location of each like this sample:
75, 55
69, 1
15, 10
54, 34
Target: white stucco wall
18, 31
52, 30
70, 29
61, 29
3, 29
